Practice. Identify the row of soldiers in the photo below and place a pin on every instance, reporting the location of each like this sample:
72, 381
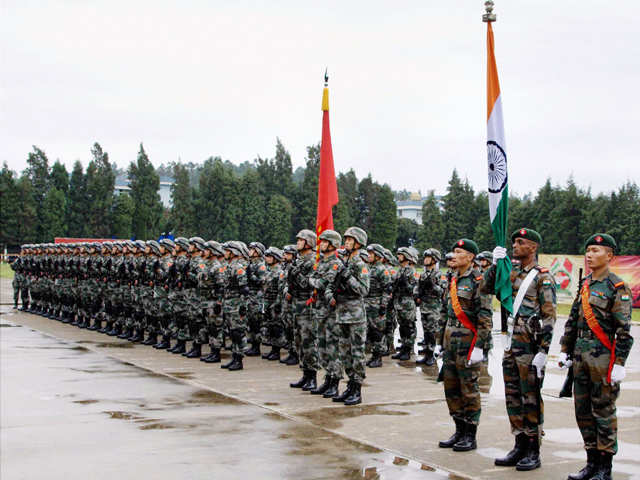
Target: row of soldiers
326, 302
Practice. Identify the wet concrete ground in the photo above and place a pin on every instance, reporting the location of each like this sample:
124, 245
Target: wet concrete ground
271, 431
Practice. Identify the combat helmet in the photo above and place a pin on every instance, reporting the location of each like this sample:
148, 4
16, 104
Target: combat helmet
155, 247
486, 255
308, 236
215, 247
182, 242
290, 249
197, 242
358, 234
433, 253
274, 252
169, 244
235, 247
257, 246
377, 249
409, 253
448, 256
332, 237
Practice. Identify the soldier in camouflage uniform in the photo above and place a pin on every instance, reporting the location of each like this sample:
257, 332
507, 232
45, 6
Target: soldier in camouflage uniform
350, 287
272, 303
178, 295
235, 301
18, 276
467, 324
429, 299
213, 287
198, 266
377, 303
290, 254
25, 265
523, 363
323, 282
597, 340
162, 263
403, 301
257, 275
391, 320
298, 294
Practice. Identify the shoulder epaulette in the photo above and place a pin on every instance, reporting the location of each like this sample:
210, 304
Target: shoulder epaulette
479, 277
619, 284
542, 269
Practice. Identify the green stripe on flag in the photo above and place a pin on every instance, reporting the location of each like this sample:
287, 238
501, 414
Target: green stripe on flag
503, 267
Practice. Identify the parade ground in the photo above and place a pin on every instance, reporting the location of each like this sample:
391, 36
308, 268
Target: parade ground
80, 404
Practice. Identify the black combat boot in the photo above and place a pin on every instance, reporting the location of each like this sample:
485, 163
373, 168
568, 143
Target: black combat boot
375, 361
229, 363
254, 351
196, 351
590, 468
126, 333
531, 460
274, 354
164, 344
300, 383
517, 453
455, 438
187, 352
236, 363
134, 335
180, 347
311, 383
603, 469
356, 395
332, 390
76, 322
320, 389
151, 339
292, 359
344, 395
214, 357
468, 440
403, 354
113, 330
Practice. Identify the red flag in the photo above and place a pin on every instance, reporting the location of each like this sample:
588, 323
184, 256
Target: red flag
327, 187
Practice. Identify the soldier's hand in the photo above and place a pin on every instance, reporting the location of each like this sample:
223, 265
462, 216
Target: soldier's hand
332, 303
539, 361
437, 351
498, 253
288, 297
477, 355
618, 373
564, 361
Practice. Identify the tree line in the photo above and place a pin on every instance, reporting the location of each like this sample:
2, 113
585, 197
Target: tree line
267, 200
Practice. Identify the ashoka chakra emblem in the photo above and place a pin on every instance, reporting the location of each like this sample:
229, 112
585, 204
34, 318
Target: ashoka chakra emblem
497, 160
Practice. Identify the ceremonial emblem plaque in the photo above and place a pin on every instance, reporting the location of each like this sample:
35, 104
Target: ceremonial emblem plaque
497, 160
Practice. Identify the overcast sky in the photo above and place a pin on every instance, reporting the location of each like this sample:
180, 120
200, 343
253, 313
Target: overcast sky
194, 79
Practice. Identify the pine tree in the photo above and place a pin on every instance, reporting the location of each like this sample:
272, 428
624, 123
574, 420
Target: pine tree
60, 177
123, 211
53, 223
306, 199
28, 212
252, 202
38, 173
144, 183
624, 222
10, 216
407, 233
77, 208
278, 221
385, 222
183, 216
458, 214
345, 212
100, 182
431, 233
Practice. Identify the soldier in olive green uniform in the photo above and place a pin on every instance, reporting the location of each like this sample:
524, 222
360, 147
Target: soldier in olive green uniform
257, 275
429, 299
377, 302
524, 360
198, 267
213, 284
161, 265
290, 254
403, 300
391, 320
597, 340
322, 280
273, 324
467, 322
298, 293
18, 276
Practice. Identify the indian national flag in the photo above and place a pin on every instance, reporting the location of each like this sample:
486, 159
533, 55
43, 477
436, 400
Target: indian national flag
497, 169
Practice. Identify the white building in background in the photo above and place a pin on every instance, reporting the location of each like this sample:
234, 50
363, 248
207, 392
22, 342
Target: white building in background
122, 185
412, 208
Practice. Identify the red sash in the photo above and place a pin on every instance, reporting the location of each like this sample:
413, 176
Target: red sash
460, 315
595, 327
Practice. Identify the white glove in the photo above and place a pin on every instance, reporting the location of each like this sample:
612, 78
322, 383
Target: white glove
477, 355
563, 361
618, 373
498, 253
437, 352
539, 362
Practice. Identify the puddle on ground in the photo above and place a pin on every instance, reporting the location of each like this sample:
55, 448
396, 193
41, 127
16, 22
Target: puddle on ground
8, 325
331, 418
211, 398
86, 402
114, 345
182, 375
271, 404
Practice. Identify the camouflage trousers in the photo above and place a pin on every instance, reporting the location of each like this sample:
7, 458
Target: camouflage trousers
430, 319
353, 337
406, 312
391, 322
594, 400
287, 323
461, 384
212, 330
376, 329
237, 323
328, 341
17, 285
305, 334
522, 394
254, 318
275, 331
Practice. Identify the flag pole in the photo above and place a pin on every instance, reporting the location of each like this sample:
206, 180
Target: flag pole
489, 16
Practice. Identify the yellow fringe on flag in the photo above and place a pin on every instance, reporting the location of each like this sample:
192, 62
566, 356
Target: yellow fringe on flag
325, 100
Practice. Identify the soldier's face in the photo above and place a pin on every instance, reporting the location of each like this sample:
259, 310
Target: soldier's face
598, 256
227, 254
523, 248
288, 257
191, 249
269, 259
372, 257
301, 244
461, 258
324, 245
253, 252
427, 262
349, 244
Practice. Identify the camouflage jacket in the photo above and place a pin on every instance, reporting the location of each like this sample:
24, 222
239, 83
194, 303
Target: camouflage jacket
430, 288
351, 286
236, 281
323, 278
256, 276
272, 283
611, 301
298, 277
380, 286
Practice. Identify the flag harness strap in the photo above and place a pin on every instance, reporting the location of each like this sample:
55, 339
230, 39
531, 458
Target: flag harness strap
460, 315
595, 327
522, 291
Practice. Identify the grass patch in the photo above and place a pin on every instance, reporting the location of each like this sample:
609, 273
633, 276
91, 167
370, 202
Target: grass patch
5, 271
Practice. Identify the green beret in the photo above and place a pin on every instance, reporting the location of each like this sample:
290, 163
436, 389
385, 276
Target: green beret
466, 244
601, 239
528, 234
